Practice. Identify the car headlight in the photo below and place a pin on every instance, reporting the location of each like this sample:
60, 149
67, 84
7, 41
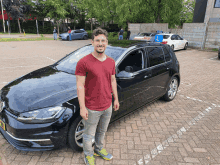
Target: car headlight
44, 115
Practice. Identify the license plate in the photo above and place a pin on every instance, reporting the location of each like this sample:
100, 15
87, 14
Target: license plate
2, 125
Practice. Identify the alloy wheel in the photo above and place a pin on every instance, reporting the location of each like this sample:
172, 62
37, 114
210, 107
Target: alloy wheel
78, 134
173, 89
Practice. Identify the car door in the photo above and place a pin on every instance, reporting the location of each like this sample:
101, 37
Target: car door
174, 42
131, 89
181, 42
76, 34
160, 71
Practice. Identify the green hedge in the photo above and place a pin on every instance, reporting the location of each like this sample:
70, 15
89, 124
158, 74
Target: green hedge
111, 35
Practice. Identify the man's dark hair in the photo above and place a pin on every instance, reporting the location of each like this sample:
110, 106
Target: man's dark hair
98, 31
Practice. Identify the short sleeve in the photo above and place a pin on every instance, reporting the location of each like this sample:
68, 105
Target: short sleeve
80, 68
113, 71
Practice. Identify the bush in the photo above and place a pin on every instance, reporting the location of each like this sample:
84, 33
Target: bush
89, 34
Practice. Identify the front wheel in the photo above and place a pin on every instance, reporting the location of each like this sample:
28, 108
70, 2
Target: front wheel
85, 37
171, 90
186, 45
75, 133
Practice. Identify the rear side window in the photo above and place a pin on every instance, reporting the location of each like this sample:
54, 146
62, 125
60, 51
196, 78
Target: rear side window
166, 36
155, 55
166, 54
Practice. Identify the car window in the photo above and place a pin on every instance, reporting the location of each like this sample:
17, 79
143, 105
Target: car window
81, 31
133, 59
173, 37
178, 37
166, 36
68, 64
166, 54
77, 31
155, 55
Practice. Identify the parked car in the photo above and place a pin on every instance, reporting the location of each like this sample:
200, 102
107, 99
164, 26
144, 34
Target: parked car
40, 110
219, 53
175, 41
143, 36
75, 35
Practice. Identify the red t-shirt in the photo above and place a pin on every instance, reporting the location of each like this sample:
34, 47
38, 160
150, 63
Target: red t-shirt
98, 89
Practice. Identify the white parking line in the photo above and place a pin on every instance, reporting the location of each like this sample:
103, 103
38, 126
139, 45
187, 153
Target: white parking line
213, 58
51, 59
162, 146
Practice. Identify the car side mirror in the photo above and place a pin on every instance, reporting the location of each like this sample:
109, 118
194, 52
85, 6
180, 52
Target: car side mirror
129, 69
124, 75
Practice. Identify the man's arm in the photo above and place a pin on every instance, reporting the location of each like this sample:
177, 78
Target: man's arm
115, 93
80, 81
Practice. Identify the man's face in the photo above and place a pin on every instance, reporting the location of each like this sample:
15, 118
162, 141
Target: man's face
100, 43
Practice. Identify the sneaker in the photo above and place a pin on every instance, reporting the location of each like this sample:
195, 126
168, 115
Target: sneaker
89, 160
103, 154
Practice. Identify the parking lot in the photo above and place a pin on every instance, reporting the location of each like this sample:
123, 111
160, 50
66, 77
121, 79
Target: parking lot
185, 131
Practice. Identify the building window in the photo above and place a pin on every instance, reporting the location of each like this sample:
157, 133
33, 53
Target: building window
217, 4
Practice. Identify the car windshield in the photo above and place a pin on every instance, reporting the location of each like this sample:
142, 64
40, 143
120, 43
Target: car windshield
153, 34
69, 63
144, 34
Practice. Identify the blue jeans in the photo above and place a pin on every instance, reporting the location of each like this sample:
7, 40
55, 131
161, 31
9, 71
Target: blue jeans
120, 37
70, 36
95, 127
55, 36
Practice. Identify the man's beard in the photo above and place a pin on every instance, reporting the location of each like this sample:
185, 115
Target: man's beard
100, 51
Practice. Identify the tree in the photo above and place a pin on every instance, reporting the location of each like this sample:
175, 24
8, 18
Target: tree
16, 9
188, 11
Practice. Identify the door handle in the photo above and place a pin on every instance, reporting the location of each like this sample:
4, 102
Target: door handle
145, 76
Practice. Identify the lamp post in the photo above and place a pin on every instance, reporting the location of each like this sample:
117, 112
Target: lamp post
3, 17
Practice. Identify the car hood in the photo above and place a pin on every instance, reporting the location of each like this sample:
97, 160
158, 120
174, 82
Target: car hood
42, 88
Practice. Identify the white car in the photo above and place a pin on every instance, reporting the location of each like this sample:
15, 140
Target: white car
174, 40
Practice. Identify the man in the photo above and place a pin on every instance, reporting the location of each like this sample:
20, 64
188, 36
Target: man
55, 33
120, 34
95, 76
128, 34
69, 31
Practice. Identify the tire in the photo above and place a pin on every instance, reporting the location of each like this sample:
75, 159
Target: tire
186, 45
68, 38
76, 126
172, 46
171, 90
85, 37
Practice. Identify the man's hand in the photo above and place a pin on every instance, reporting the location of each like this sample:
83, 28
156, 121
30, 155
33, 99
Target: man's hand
116, 105
84, 113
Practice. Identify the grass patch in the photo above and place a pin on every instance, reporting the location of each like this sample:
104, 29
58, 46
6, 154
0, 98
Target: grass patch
122, 43
24, 39
215, 49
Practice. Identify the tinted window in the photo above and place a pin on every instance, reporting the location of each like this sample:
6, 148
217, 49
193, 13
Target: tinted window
69, 63
134, 59
155, 55
178, 37
173, 37
166, 54
166, 36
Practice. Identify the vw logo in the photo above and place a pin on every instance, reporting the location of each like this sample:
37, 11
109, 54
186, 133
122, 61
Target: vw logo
2, 105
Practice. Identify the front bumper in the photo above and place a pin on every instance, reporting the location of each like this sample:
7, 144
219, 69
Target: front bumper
35, 137
63, 37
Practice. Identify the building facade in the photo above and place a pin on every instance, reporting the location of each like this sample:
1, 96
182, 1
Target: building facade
207, 11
